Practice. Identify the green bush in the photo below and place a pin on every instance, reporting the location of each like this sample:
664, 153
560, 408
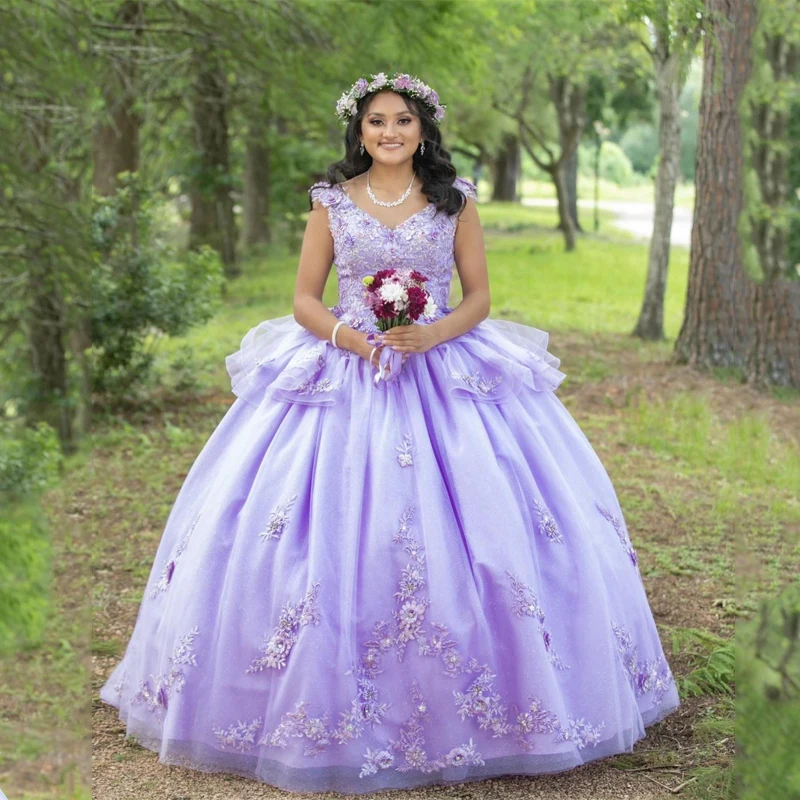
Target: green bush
30, 458
142, 289
615, 166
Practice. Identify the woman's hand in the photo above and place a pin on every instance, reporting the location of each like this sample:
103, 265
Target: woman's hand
365, 351
411, 338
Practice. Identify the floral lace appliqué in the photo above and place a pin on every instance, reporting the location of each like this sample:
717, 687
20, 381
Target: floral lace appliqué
404, 450
156, 691
241, 736
526, 604
277, 647
547, 523
480, 701
622, 534
478, 382
278, 520
411, 744
644, 676
169, 568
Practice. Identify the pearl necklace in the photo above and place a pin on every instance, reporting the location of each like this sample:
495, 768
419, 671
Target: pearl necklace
393, 202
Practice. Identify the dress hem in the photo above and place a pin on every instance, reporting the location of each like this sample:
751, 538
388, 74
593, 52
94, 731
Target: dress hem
201, 757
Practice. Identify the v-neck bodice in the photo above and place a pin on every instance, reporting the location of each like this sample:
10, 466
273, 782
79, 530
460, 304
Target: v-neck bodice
363, 244
430, 207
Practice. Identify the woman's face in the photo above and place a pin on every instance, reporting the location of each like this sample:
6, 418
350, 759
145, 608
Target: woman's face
389, 121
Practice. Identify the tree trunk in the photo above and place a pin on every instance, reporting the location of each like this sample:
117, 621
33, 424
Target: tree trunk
715, 330
115, 140
256, 228
45, 329
569, 100
668, 87
774, 355
774, 358
565, 221
571, 169
212, 219
506, 168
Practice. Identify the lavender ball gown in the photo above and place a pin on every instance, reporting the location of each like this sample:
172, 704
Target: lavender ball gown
364, 587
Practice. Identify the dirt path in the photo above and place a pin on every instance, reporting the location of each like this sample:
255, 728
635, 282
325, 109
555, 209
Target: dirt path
666, 509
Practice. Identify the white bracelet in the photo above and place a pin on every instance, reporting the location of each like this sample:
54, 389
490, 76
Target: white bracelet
333, 335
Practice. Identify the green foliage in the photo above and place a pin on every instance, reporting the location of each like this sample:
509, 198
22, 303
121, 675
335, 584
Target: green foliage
615, 166
640, 144
768, 699
24, 574
30, 458
713, 662
141, 289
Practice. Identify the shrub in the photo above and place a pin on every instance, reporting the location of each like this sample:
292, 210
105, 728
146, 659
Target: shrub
141, 288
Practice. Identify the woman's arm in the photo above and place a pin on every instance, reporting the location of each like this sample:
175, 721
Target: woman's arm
470, 257
316, 258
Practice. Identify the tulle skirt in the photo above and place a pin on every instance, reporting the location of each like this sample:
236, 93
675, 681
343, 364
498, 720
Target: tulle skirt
425, 581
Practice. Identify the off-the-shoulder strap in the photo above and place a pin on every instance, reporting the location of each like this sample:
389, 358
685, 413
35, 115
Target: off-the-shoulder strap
467, 187
325, 193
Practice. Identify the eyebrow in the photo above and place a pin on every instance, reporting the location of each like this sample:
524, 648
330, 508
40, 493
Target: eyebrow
398, 114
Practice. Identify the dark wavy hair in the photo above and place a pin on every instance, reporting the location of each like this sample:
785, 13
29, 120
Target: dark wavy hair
435, 168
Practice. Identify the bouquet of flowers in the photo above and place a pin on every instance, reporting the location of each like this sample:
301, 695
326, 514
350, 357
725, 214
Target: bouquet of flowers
396, 297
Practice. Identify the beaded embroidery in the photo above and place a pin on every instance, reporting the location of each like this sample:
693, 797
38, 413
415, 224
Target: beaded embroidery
547, 523
411, 743
526, 604
156, 691
169, 568
622, 534
478, 382
310, 386
480, 701
241, 736
643, 676
277, 647
278, 519
362, 245
404, 458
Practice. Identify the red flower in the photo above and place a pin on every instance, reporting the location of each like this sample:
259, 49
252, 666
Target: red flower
380, 275
417, 298
385, 310
418, 276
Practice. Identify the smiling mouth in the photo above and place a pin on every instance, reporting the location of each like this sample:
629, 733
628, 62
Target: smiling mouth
392, 145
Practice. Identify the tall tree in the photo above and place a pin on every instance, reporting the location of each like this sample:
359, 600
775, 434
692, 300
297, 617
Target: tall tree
506, 170
552, 52
44, 127
771, 215
715, 330
674, 28
212, 219
116, 132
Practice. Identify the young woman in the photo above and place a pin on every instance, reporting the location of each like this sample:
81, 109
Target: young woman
397, 561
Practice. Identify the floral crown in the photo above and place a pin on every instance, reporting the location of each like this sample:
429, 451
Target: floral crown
397, 82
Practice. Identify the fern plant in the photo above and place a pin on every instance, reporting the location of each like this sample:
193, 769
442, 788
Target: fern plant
714, 662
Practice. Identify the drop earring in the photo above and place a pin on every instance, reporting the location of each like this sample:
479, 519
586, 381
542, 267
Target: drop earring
422, 149
362, 148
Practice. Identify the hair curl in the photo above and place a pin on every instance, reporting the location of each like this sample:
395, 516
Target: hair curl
435, 168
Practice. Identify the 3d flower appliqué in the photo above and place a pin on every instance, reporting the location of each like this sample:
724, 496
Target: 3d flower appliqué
164, 580
278, 519
404, 457
156, 692
277, 647
526, 604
